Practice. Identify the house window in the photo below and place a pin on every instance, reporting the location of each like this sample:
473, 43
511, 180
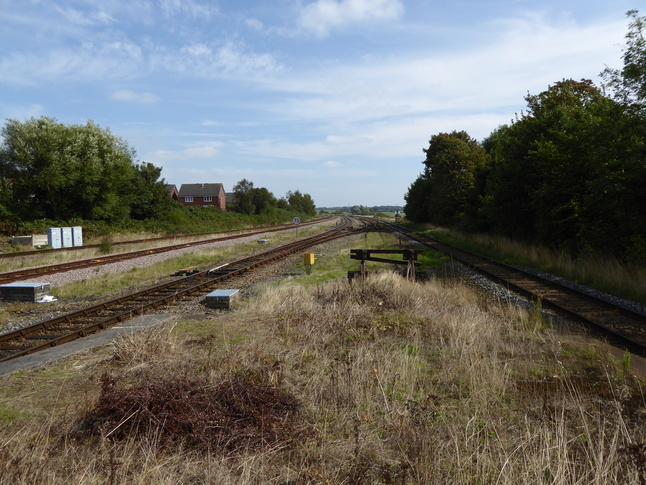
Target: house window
208, 198
188, 198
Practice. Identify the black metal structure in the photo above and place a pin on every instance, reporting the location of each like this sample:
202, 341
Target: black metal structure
409, 257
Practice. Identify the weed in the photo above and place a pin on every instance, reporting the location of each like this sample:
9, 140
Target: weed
610, 275
105, 246
302, 385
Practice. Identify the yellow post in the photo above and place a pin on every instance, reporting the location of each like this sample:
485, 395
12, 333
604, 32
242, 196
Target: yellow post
308, 261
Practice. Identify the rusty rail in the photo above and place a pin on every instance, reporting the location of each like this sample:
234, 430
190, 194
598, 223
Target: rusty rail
92, 319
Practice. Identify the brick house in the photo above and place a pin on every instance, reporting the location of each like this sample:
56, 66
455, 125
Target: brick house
203, 195
231, 199
172, 191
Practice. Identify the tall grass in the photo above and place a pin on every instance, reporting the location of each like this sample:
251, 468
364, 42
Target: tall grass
399, 382
603, 273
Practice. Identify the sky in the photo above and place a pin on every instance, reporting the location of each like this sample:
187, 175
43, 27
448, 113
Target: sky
335, 98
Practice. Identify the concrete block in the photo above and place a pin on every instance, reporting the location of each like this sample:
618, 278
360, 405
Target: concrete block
222, 299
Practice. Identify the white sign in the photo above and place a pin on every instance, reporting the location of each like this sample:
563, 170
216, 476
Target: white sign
296, 220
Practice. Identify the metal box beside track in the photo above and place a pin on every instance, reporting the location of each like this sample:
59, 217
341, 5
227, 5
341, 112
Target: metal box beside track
66, 237
31, 292
222, 299
77, 236
54, 240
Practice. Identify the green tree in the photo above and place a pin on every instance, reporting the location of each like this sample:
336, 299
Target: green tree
302, 203
149, 197
504, 205
244, 197
263, 200
560, 166
416, 208
6, 197
629, 83
361, 210
440, 194
64, 172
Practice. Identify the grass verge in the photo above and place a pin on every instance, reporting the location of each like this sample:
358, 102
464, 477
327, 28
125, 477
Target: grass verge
605, 274
376, 381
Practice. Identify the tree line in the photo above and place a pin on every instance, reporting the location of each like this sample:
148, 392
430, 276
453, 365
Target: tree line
58, 172
258, 200
569, 172
362, 210
55, 171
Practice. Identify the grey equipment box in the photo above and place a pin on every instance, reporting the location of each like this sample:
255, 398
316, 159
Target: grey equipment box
66, 237
31, 292
54, 239
222, 299
77, 236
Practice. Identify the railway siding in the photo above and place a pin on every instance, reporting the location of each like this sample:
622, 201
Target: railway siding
621, 325
89, 320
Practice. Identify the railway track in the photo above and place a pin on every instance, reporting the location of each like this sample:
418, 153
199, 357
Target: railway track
93, 319
261, 229
621, 326
37, 272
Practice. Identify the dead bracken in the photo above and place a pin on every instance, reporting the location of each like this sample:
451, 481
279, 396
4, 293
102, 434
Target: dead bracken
234, 416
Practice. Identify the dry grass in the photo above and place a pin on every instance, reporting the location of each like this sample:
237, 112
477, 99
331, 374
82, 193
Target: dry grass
606, 274
390, 382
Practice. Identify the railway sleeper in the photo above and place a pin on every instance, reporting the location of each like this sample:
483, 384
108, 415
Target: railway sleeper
46, 337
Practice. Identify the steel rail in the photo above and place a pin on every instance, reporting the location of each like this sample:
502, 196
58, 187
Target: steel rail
22, 274
621, 325
92, 319
255, 230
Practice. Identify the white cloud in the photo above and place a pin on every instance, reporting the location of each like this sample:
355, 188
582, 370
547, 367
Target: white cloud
346, 140
254, 24
228, 60
190, 8
331, 164
324, 15
488, 79
131, 96
197, 50
125, 60
211, 123
78, 17
194, 153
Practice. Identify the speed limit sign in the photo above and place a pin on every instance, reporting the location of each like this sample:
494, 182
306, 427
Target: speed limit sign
296, 220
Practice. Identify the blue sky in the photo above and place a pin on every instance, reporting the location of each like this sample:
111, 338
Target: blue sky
335, 98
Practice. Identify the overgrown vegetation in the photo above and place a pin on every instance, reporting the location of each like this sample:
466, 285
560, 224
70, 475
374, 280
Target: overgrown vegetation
568, 172
179, 221
104, 284
603, 273
376, 381
53, 175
